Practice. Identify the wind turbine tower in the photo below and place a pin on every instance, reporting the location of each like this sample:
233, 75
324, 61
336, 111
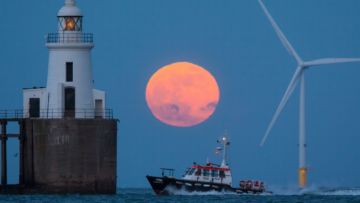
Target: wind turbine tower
299, 76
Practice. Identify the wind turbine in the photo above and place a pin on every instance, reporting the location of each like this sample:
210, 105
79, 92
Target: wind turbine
298, 76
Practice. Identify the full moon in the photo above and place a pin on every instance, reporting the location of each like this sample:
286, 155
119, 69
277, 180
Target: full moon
182, 94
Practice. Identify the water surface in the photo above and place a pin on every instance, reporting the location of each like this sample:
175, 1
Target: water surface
146, 195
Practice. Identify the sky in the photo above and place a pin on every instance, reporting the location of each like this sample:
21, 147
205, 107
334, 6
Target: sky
234, 41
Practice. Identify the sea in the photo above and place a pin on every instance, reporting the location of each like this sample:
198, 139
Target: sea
347, 195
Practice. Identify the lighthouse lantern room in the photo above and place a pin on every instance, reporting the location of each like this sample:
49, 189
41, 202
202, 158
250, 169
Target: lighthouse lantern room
69, 91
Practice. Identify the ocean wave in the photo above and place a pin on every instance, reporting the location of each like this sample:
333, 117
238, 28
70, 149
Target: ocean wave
183, 192
276, 191
314, 190
342, 192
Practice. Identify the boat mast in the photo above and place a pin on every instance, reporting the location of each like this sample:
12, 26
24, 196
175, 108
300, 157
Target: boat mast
225, 142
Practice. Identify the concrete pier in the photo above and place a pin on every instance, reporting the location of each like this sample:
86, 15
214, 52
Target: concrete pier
70, 155
62, 156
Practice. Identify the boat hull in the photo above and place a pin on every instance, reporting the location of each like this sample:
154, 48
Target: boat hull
169, 186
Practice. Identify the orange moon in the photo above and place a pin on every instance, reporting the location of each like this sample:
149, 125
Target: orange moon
182, 94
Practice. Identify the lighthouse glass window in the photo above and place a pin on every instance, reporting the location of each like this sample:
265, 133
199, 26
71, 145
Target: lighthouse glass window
71, 23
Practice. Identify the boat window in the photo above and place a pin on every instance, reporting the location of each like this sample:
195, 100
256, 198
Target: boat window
191, 171
206, 172
222, 174
214, 173
198, 172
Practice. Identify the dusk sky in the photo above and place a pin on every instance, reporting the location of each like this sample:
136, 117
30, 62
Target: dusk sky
235, 42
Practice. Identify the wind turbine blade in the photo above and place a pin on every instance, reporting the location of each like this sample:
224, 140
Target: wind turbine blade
324, 61
280, 34
283, 102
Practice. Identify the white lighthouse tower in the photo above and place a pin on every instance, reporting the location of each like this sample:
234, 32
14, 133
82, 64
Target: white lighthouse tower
69, 91
68, 141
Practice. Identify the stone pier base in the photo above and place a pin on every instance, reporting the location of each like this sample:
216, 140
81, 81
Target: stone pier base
70, 156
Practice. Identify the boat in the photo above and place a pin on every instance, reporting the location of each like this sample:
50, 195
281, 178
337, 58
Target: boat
205, 178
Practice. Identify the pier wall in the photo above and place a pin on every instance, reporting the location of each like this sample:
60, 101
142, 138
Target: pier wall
70, 155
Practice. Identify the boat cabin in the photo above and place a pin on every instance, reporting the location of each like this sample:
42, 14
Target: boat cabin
209, 173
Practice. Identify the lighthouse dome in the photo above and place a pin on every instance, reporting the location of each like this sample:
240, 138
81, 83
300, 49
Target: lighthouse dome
69, 9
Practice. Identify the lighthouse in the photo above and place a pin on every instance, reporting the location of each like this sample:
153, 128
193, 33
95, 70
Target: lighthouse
70, 88
68, 138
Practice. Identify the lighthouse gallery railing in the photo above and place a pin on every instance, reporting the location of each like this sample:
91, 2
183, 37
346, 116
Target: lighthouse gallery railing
56, 113
69, 38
